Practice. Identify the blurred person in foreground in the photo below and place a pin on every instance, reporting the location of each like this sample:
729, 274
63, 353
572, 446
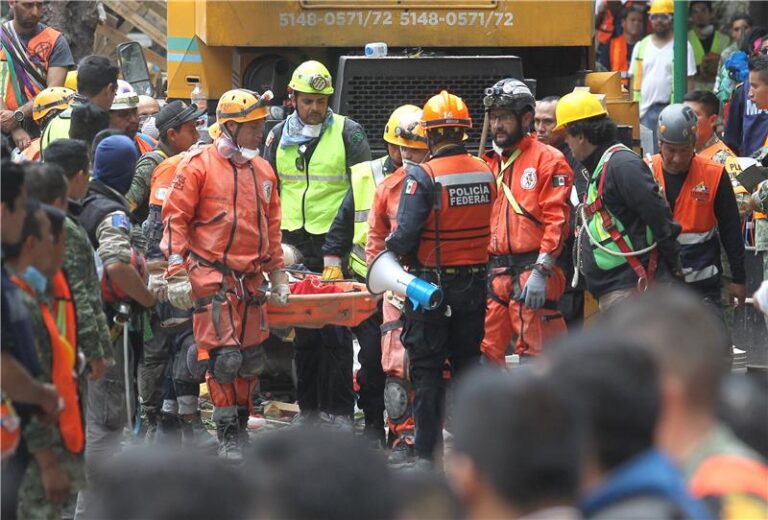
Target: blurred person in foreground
517, 461
614, 384
718, 468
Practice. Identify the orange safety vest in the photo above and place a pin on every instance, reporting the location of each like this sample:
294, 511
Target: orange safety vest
618, 54
463, 221
161, 179
64, 359
39, 50
695, 212
710, 151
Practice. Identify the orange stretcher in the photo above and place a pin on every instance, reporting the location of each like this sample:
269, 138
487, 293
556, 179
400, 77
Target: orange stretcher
348, 308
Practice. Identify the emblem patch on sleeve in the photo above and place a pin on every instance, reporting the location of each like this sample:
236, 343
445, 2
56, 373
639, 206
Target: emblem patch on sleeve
529, 179
410, 186
121, 221
558, 181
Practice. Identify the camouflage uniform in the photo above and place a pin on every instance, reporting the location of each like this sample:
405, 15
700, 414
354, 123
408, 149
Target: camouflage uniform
38, 436
760, 198
79, 263
138, 193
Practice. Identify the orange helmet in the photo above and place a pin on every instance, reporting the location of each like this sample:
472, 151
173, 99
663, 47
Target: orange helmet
444, 110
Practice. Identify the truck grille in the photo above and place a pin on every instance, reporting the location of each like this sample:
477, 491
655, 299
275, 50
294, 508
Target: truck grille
371, 88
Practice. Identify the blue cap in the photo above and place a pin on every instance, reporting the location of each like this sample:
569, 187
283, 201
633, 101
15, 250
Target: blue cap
114, 162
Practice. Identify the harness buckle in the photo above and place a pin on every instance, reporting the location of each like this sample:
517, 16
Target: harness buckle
642, 283
239, 288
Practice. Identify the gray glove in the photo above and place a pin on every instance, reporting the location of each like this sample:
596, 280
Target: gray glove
535, 290
180, 290
280, 291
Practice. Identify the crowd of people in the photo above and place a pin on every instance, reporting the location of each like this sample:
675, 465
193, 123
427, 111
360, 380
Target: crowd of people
142, 247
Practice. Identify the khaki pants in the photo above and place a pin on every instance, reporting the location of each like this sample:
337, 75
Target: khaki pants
610, 299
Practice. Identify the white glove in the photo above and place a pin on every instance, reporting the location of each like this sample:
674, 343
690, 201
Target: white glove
180, 290
280, 290
158, 286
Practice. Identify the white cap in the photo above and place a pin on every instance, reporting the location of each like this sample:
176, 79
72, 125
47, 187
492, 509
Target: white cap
125, 101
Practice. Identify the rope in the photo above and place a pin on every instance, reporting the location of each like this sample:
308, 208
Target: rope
585, 228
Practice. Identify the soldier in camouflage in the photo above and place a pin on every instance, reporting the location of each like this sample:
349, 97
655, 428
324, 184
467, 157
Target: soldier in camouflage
55, 472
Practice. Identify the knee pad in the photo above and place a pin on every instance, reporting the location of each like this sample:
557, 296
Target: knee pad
225, 363
253, 363
397, 399
194, 368
187, 404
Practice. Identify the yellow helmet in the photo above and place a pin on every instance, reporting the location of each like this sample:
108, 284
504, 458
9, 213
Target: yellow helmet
404, 128
662, 7
576, 106
241, 106
71, 80
312, 77
49, 99
214, 131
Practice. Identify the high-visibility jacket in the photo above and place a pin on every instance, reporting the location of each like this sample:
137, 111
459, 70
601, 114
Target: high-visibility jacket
312, 191
460, 223
719, 43
382, 219
532, 211
618, 54
223, 213
39, 49
64, 356
695, 212
613, 237
365, 177
144, 143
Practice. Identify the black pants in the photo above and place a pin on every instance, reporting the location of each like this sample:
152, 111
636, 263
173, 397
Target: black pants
453, 331
571, 306
371, 377
323, 360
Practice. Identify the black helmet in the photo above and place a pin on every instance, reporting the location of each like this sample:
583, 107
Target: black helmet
509, 93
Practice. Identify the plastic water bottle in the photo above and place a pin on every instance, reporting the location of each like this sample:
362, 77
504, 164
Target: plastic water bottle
198, 97
375, 50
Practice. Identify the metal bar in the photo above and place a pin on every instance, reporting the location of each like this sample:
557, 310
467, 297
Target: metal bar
680, 61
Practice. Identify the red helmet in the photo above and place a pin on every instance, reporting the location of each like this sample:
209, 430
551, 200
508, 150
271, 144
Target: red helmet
110, 292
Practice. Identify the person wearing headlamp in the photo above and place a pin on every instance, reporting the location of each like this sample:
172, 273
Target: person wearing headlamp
222, 234
529, 225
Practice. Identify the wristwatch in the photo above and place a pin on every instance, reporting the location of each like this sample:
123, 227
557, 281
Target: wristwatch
18, 116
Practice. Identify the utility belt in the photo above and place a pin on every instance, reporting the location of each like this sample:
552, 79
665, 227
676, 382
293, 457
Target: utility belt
514, 266
238, 287
450, 271
519, 262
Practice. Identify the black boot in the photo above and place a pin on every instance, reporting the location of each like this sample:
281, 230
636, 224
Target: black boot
242, 421
168, 428
374, 428
230, 441
195, 435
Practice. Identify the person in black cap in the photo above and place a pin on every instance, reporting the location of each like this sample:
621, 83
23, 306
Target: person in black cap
177, 125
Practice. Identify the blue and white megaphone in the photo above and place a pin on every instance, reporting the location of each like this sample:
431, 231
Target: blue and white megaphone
385, 273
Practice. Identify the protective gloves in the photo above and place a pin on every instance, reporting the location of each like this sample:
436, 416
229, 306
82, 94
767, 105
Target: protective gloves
180, 290
535, 290
158, 286
280, 291
332, 268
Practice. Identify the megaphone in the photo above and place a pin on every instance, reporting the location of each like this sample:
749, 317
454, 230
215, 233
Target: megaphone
386, 273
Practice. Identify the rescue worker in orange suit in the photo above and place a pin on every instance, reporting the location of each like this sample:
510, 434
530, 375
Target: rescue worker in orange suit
701, 197
33, 57
176, 124
222, 234
529, 225
312, 153
629, 235
382, 220
348, 235
443, 231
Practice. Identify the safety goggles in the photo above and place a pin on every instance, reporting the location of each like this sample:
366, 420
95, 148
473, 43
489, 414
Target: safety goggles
319, 82
495, 94
663, 17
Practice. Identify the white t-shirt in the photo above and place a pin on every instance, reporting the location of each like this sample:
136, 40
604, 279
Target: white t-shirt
656, 82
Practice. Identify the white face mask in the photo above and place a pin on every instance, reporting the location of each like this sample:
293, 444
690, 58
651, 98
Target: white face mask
311, 130
150, 128
249, 153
